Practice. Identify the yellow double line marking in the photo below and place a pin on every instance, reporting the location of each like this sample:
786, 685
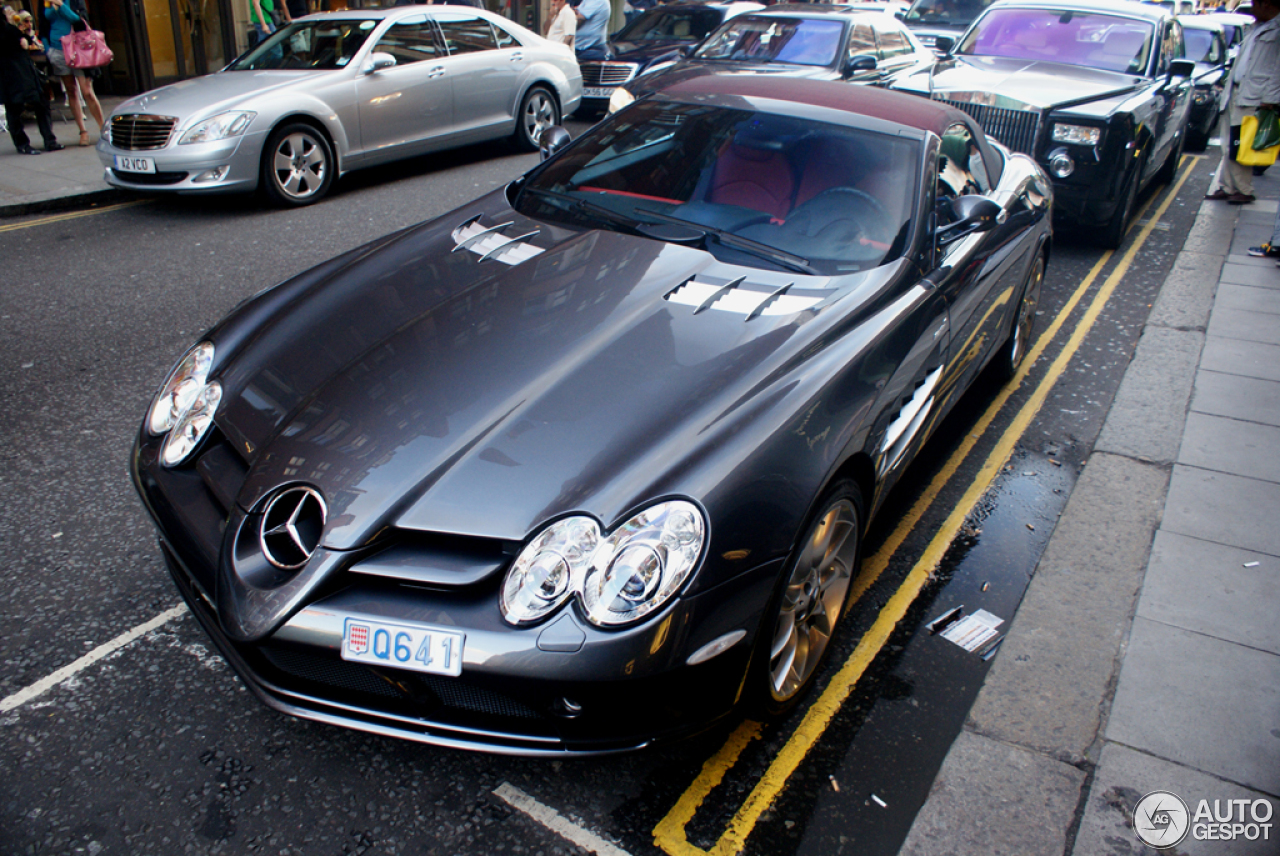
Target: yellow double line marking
71, 215
669, 835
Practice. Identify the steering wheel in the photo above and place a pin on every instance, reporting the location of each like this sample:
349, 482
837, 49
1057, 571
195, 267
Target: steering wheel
846, 208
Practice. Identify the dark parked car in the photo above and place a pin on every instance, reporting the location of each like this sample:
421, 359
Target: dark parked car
661, 34
932, 20
823, 42
1095, 91
1206, 46
582, 463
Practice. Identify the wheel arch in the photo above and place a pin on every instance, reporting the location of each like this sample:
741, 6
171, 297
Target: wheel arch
332, 138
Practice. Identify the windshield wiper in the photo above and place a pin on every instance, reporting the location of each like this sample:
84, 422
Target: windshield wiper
728, 239
578, 206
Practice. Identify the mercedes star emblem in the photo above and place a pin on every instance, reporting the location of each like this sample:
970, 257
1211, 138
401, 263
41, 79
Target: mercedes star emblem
292, 524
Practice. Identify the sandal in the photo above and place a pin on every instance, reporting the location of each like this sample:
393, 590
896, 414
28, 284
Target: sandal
84, 138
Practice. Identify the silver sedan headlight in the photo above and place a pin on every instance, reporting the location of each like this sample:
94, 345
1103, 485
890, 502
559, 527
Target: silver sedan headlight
618, 578
185, 406
220, 127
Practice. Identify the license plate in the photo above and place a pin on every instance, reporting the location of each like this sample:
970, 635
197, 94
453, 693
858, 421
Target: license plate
127, 164
404, 646
597, 91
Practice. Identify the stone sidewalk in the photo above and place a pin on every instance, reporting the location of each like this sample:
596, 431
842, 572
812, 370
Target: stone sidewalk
1146, 653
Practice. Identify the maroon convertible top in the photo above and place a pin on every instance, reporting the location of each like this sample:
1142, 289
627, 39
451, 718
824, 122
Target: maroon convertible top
901, 108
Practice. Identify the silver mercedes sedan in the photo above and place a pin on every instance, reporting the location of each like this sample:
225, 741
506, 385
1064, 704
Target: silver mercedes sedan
335, 92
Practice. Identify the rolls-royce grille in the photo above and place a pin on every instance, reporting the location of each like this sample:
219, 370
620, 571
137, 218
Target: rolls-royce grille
607, 73
1016, 129
139, 132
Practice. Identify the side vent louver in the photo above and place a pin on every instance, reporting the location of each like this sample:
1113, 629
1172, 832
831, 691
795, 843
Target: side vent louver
746, 299
489, 242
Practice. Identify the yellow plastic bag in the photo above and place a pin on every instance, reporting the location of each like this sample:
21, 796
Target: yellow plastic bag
1246, 154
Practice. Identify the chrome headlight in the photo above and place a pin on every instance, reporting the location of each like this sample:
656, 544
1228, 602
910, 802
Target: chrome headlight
619, 99
192, 427
180, 389
1084, 135
619, 578
224, 125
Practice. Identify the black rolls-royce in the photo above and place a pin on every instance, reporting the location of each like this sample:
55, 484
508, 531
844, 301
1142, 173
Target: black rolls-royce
1097, 92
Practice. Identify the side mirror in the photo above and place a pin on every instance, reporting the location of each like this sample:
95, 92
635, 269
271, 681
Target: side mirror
553, 140
974, 214
900, 14
1182, 68
378, 60
862, 62
943, 44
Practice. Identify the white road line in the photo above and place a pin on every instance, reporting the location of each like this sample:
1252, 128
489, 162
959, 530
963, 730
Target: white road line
552, 820
43, 685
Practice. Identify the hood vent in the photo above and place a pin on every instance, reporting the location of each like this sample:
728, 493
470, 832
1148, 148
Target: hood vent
750, 300
490, 242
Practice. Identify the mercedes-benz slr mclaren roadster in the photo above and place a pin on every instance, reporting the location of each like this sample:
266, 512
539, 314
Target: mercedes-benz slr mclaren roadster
587, 462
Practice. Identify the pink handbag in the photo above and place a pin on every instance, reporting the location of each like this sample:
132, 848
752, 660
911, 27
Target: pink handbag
86, 49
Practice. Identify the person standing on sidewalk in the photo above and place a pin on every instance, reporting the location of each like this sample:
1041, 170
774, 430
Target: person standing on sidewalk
1254, 82
562, 24
60, 16
20, 88
591, 41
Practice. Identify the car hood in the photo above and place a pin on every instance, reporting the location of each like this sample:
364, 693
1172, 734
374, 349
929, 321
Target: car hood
1021, 84
215, 92
644, 51
691, 68
424, 388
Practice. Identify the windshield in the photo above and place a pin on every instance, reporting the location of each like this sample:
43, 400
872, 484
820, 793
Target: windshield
1202, 46
1092, 40
956, 13
325, 44
669, 25
815, 197
799, 41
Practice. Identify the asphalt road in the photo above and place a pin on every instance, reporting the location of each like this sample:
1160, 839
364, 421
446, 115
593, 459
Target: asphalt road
157, 748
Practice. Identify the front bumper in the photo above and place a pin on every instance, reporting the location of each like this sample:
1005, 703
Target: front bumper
562, 687
224, 166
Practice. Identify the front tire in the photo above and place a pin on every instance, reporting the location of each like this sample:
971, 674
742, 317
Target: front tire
810, 601
297, 165
538, 112
1113, 233
1015, 348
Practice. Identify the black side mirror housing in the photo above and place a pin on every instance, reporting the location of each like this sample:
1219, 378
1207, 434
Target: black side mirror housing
1182, 68
862, 62
973, 214
943, 44
553, 140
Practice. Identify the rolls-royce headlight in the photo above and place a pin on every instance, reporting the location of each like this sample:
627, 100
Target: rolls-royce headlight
619, 99
192, 427
220, 127
180, 389
643, 563
1083, 135
618, 579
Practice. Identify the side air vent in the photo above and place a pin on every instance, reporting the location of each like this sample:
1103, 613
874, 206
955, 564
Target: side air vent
490, 242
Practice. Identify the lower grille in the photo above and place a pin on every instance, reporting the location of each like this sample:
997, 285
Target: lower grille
156, 178
607, 73
140, 132
1016, 129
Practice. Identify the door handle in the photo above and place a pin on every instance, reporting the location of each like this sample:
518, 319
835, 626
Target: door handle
436, 72
517, 56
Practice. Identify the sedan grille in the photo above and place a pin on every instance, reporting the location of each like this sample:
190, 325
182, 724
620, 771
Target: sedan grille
1016, 129
608, 73
140, 132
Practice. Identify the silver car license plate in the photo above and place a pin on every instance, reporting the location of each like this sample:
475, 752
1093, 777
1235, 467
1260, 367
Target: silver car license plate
132, 164
403, 646
597, 91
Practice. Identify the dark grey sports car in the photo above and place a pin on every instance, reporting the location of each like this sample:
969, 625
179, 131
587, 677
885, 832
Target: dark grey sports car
585, 462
